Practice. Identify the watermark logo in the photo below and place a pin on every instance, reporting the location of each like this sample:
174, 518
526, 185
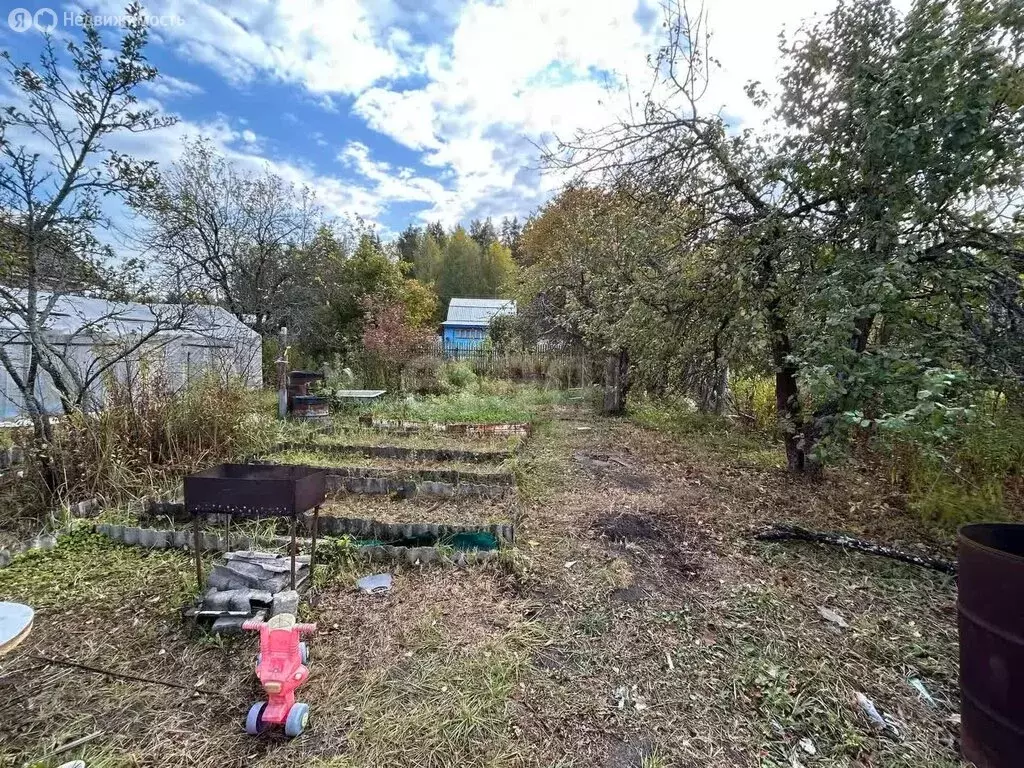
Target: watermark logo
47, 19
20, 20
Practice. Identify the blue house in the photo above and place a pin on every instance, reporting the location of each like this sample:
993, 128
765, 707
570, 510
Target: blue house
466, 326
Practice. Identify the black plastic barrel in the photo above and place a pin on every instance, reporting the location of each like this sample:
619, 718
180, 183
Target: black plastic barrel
991, 618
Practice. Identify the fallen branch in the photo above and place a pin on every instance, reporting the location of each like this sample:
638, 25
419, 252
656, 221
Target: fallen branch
72, 745
784, 532
124, 676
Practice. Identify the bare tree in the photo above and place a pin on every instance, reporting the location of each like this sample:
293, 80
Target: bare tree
233, 235
56, 166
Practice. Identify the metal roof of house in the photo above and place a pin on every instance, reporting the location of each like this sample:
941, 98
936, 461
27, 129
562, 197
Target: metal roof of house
477, 311
73, 315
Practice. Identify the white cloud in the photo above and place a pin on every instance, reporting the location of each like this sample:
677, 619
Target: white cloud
520, 71
326, 46
248, 136
511, 73
168, 86
390, 184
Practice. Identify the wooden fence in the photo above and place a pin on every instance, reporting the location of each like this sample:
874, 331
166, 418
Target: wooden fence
556, 368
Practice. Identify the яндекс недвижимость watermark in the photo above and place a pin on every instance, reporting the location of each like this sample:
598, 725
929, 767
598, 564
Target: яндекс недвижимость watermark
47, 19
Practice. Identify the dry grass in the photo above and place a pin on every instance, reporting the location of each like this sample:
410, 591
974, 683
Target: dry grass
637, 624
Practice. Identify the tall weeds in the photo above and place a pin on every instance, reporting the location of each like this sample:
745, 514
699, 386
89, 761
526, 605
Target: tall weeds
146, 435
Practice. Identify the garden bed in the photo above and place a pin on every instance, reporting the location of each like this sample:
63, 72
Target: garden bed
450, 511
409, 482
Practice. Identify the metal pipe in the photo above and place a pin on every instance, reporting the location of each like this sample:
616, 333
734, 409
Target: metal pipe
293, 547
195, 549
312, 549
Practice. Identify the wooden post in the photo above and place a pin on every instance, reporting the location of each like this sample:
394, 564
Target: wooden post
282, 375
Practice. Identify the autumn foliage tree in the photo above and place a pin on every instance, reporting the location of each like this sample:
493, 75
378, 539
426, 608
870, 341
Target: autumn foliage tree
391, 338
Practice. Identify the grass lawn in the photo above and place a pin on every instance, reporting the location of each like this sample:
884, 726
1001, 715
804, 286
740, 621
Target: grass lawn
637, 624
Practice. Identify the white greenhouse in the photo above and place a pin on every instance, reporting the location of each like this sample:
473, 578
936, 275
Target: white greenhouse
177, 342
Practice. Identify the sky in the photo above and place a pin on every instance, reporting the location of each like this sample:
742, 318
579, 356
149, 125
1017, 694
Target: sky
409, 111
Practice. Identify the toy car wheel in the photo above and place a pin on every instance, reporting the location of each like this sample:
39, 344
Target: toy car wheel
254, 720
295, 723
304, 652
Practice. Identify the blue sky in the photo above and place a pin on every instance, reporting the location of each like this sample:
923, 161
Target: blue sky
402, 111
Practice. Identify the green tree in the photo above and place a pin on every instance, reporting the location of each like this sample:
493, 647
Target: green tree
437, 231
408, 244
496, 268
870, 237
427, 260
461, 269
483, 232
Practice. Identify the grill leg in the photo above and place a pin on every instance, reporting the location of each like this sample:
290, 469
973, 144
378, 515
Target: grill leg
195, 550
312, 548
294, 518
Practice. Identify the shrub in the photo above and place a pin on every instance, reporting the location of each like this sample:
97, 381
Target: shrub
460, 376
973, 473
754, 399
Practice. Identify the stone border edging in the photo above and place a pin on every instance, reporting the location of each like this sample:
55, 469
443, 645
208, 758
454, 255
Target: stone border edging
371, 480
155, 538
466, 429
43, 541
374, 529
400, 452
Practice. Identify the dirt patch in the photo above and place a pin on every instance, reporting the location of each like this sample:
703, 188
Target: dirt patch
614, 467
627, 526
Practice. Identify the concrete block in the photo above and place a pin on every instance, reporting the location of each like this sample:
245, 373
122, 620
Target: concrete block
5, 558
240, 600
285, 602
216, 600
46, 541
131, 535
181, 539
160, 539
222, 579
229, 625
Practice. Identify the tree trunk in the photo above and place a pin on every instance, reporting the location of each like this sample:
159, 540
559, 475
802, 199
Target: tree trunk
800, 442
616, 382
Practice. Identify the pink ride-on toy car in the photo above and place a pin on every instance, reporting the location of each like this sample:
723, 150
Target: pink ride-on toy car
281, 668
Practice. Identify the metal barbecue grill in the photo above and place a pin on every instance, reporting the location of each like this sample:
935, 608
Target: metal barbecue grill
255, 490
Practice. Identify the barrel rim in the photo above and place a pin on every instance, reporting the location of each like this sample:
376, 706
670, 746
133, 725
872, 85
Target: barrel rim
964, 538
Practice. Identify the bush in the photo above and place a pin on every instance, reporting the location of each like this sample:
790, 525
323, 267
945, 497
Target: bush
754, 399
459, 376
973, 474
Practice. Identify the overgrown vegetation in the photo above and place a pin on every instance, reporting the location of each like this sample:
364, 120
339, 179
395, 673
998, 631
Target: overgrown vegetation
145, 438
489, 402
